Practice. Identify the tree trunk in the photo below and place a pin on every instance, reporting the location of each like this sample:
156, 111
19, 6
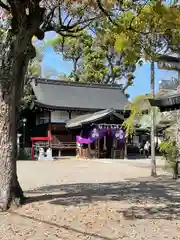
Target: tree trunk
75, 74
10, 190
153, 157
18, 195
9, 186
175, 170
15, 54
12, 73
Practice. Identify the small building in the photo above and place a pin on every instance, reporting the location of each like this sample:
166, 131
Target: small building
169, 102
57, 101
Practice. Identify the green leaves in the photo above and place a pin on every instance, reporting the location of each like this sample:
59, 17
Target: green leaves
34, 68
145, 31
54, 42
94, 57
137, 106
121, 43
170, 151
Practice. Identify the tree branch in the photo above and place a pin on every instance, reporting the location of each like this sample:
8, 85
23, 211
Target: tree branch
59, 15
47, 20
6, 7
72, 30
105, 12
138, 13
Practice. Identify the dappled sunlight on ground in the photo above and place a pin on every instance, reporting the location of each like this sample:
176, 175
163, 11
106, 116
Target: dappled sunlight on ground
94, 200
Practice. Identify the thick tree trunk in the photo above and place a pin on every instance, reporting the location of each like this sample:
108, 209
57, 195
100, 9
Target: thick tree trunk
10, 190
12, 73
8, 179
15, 55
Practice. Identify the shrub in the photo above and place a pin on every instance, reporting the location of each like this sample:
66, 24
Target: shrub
23, 155
170, 152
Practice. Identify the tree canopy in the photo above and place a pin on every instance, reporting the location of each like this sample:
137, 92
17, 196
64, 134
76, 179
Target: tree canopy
152, 29
94, 57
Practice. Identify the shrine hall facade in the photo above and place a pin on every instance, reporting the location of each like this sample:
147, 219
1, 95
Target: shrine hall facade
56, 102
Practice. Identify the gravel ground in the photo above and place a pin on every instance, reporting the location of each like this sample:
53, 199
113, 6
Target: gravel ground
94, 200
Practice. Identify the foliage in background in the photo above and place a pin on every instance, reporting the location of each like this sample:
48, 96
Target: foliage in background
27, 98
170, 151
36, 69
23, 155
111, 48
94, 57
147, 31
141, 111
138, 107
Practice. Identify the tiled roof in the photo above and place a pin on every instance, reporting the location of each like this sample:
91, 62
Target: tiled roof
55, 94
93, 117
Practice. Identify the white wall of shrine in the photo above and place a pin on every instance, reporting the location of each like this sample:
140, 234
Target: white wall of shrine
56, 117
59, 116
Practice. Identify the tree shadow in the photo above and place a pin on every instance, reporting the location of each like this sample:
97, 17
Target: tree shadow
168, 212
146, 197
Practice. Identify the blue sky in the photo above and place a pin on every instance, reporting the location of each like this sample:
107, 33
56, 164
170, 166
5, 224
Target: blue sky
142, 79
142, 74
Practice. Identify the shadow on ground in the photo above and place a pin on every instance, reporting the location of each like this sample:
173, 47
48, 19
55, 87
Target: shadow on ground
145, 197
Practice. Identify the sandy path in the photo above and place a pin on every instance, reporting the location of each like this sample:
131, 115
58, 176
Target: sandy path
96, 200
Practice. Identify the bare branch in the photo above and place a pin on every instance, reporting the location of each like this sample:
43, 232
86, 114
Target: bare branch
70, 30
65, 20
59, 15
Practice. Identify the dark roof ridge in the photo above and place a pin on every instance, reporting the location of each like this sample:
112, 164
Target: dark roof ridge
79, 84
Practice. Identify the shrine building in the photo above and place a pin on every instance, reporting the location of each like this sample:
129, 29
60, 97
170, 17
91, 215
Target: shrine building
62, 108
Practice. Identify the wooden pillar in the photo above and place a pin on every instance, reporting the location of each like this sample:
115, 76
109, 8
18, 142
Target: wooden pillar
104, 146
98, 148
112, 150
49, 128
125, 148
32, 150
89, 150
114, 147
70, 115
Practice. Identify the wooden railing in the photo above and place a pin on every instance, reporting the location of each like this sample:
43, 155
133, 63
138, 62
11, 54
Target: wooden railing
58, 145
64, 145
